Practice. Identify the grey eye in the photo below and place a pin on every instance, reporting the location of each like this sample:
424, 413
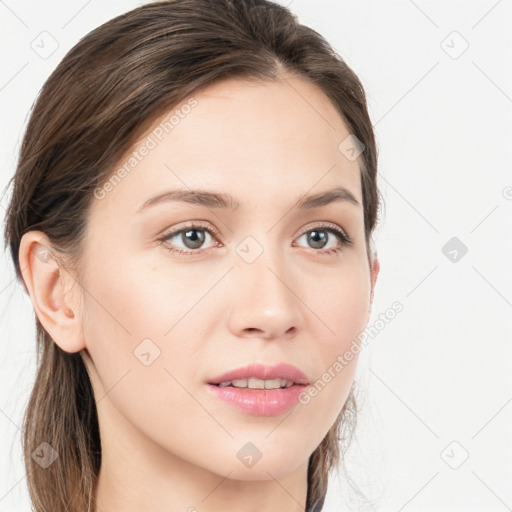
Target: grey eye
194, 237
318, 237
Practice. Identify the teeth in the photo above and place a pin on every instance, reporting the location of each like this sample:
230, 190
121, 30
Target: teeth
253, 383
274, 384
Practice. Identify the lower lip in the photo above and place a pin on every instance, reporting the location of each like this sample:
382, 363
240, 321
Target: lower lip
260, 402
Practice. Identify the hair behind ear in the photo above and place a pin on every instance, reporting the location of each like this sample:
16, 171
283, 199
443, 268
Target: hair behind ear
61, 412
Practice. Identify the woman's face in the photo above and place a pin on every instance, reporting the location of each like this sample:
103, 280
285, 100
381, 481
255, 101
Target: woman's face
267, 282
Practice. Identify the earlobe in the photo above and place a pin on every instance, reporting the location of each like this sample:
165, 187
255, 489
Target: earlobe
46, 284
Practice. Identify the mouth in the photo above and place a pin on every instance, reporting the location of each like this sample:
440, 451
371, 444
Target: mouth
260, 390
254, 383
259, 376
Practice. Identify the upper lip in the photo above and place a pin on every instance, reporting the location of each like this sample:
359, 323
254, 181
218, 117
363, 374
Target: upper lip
264, 372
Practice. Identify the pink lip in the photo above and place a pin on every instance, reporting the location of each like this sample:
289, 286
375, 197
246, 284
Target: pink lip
261, 402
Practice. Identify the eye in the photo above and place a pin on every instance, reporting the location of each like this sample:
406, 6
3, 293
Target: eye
192, 236
318, 237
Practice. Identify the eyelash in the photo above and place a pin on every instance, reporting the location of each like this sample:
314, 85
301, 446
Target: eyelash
345, 240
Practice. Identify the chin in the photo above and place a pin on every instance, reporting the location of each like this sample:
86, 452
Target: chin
261, 472
267, 464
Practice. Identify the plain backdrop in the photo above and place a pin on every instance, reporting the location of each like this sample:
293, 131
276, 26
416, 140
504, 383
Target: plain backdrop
435, 383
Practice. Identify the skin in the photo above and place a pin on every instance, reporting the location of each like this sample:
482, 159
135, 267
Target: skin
168, 444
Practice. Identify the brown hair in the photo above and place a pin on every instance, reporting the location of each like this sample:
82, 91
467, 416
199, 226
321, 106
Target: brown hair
104, 94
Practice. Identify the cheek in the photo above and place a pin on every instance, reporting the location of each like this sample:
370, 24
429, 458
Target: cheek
133, 300
143, 346
141, 329
132, 316
344, 305
343, 302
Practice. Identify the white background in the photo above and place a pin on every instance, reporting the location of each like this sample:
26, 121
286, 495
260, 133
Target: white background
435, 383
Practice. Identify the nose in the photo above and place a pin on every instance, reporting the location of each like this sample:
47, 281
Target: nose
265, 300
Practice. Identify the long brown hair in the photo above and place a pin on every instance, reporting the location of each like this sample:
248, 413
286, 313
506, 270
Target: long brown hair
106, 91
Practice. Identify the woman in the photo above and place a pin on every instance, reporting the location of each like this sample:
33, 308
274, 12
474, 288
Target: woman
191, 217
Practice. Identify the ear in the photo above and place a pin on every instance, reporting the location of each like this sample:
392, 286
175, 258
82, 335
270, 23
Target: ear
48, 286
374, 273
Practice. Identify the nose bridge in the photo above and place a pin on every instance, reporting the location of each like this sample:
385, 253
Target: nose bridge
261, 261
264, 297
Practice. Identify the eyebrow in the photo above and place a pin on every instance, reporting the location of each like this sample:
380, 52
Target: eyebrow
211, 199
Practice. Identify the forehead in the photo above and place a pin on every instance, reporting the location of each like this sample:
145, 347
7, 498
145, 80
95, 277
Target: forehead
253, 140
